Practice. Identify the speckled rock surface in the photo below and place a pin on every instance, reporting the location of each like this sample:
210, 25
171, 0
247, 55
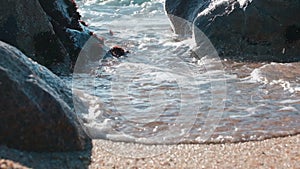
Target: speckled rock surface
36, 108
45, 160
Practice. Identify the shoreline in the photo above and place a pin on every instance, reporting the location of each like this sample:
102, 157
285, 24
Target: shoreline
281, 152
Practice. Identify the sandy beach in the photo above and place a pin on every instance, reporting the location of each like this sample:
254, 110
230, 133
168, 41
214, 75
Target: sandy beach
272, 153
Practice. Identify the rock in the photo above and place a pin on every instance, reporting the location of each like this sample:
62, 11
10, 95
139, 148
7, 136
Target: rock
37, 111
50, 32
116, 51
182, 14
249, 30
66, 23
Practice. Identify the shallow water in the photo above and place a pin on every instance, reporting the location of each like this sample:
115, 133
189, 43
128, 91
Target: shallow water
159, 94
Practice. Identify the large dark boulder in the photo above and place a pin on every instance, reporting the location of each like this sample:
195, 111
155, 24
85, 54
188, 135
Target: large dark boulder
48, 31
182, 14
256, 30
36, 108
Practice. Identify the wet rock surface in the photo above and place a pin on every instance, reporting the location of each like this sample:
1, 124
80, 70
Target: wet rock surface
182, 14
36, 108
49, 32
243, 30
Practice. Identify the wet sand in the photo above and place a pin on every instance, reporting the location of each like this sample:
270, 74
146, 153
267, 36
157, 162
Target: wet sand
272, 153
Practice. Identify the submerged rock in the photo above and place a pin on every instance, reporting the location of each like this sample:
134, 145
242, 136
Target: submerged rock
251, 30
50, 32
37, 111
116, 51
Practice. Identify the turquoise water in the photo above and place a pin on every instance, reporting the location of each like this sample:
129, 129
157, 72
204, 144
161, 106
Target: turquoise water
159, 94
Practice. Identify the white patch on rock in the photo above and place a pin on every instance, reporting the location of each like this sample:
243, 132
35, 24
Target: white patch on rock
244, 3
212, 6
216, 3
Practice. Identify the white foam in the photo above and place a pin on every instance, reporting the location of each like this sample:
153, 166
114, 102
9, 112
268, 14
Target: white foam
267, 75
257, 76
289, 108
289, 101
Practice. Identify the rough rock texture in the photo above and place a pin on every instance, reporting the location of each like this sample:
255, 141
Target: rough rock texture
254, 30
36, 108
182, 14
50, 32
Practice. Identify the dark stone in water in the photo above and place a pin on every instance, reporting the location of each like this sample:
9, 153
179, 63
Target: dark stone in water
116, 51
36, 108
255, 31
50, 32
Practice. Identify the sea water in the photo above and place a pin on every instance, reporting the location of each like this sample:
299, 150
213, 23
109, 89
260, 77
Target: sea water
160, 94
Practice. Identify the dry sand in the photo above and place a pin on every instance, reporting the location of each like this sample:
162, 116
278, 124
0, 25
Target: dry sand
272, 153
